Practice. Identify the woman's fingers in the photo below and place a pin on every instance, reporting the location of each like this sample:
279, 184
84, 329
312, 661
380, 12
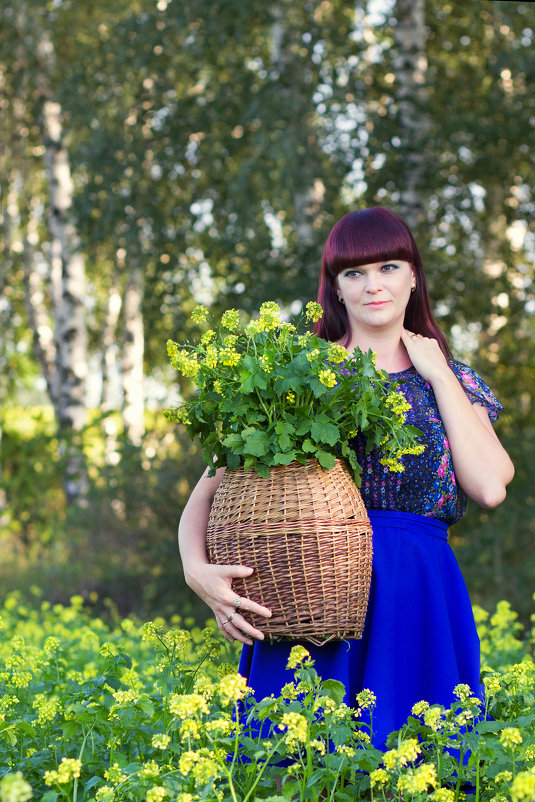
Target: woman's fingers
213, 583
241, 602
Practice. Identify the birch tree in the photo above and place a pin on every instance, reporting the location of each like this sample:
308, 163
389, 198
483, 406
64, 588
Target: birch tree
41, 214
410, 69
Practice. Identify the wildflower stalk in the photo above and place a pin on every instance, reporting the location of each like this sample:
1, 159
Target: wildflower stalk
460, 774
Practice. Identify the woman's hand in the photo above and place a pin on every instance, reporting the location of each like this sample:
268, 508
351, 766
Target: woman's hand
213, 583
425, 354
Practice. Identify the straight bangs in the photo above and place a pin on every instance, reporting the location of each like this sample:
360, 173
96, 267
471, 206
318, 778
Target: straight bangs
369, 236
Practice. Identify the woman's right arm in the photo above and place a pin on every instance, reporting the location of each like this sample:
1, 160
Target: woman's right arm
213, 583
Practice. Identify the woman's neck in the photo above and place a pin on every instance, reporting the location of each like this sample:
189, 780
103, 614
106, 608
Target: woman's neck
391, 353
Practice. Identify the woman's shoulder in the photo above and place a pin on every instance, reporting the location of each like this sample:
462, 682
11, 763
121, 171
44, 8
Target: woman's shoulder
476, 388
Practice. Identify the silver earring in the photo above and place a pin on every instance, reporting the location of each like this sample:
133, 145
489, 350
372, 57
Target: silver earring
341, 300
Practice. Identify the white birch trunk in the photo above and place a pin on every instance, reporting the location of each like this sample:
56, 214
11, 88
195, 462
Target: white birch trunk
132, 363
68, 290
410, 65
110, 369
307, 199
68, 277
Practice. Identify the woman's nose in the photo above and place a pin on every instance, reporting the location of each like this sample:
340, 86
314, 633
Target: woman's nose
373, 282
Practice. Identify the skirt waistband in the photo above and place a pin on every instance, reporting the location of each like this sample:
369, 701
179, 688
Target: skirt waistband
409, 521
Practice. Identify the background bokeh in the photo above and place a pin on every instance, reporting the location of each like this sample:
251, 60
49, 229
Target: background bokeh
160, 154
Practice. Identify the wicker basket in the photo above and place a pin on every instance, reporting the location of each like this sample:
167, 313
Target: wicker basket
306, 533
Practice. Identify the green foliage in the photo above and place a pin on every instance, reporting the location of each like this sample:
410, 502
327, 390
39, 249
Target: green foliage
121, 542
123, 711
267, 395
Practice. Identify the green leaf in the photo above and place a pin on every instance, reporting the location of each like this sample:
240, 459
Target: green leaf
334, 689
324, 432
326, 460
233, 441
255, 442
285, 430
262, 470
284, 459
92, 782
308, 446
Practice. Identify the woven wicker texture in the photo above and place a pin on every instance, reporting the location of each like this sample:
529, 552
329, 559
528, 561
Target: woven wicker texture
306, 533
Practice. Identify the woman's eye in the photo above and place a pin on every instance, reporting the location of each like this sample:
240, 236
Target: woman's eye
351, 273
389, 266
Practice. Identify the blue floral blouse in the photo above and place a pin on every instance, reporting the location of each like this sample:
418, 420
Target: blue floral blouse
427, 486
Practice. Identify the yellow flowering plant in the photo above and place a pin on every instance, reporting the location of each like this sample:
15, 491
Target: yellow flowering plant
268, 393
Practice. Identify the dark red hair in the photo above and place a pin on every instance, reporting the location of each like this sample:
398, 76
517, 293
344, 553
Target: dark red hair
362, 238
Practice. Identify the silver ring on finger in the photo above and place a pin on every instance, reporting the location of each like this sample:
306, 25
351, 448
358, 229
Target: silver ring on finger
225, 622
231, 616
237, 602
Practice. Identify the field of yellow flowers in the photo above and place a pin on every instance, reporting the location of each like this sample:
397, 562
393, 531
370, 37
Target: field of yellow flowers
128, 711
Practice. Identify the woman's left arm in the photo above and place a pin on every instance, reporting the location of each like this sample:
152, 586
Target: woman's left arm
482, 466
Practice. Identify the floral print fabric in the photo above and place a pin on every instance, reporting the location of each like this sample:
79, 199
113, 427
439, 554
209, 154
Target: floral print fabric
427, 484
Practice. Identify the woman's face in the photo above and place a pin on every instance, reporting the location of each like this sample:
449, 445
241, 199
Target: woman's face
376, 295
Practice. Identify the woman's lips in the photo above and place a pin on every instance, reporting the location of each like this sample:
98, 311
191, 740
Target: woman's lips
377, 304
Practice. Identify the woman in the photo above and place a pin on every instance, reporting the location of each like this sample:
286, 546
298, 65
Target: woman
420, 639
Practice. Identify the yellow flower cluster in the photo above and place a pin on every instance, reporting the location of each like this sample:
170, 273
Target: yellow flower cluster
434, 718
229, 356
492, 684
69, 769
225, 726
298, 656
207, 337
231, 320
393, 465
296, 726
379, 777
523, 787
289, 691
510, 737
160, 741
210, 357
149, 770
47, 708
270, 315
366, 699
327, 377
115, 775
419, 708
463, 692
199, 314
232, 688
52, 646
407, 752
185, 362
14, 788
418, 781
190, 729
443, 795
156, 794
200, 765
398, 404
187, 705
313, 312
336, 353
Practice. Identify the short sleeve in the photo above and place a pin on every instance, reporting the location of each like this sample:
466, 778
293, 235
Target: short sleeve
476, 389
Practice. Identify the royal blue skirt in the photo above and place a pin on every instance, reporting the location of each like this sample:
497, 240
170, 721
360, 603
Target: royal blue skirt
419, 640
